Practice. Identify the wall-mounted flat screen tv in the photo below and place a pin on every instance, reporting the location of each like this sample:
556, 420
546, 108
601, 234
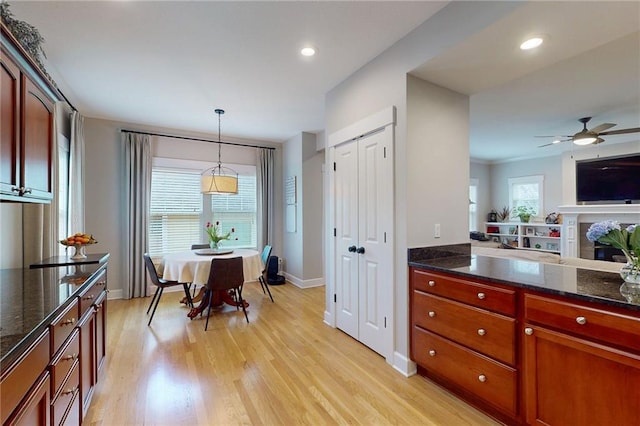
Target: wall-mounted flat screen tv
608, 180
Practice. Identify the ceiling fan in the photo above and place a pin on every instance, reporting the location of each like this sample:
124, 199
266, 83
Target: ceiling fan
589, 136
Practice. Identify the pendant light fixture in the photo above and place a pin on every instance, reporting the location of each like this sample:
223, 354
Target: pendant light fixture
219, 179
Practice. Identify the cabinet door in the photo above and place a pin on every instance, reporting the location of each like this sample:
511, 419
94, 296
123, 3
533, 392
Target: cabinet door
101, 332
37, 141
87, 359
9, 126
570, 381
34, 408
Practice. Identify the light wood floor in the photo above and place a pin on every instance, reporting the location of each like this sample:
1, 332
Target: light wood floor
286, 367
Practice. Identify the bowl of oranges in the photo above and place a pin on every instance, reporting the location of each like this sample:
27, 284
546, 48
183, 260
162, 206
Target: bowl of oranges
78, 241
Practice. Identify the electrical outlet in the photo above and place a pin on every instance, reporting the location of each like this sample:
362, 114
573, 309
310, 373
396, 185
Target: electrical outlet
436, 230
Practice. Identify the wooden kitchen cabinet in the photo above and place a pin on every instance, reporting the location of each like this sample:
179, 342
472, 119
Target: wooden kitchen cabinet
463, 336
92, 337
577, 369
27, 128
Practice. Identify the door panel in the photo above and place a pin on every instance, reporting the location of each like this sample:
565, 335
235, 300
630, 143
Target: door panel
372, 224
346, 186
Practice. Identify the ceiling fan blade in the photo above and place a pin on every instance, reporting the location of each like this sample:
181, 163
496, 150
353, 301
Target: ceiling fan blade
554, 142
546, 144
621, 131
602, 127
553, 136
599, 140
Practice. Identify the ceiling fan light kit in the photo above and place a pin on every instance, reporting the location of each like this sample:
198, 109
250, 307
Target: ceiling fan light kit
588, 137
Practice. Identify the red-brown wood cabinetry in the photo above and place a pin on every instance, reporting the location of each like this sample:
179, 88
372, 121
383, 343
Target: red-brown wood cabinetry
27, 129
581, 364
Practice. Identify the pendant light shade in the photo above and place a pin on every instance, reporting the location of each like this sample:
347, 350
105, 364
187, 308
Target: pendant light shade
219, 179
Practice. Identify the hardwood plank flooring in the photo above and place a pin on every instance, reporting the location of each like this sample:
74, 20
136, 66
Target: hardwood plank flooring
286, 367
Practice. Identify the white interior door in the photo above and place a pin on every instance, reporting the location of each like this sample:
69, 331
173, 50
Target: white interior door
364, 255
372, 249
346, 193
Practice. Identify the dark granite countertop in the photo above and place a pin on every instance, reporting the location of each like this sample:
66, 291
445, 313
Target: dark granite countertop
31, 298
67, 260
570, 281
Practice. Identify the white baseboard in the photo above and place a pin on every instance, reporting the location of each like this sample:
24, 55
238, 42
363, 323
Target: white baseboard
315, 282
328, 319
404, 365
114, 294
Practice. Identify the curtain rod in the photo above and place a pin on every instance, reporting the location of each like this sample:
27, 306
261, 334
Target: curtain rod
195, 139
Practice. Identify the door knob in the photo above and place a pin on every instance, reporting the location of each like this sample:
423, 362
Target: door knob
352, 249
360, 250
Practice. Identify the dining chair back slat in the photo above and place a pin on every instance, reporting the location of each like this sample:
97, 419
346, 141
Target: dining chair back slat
226, 274
262, 279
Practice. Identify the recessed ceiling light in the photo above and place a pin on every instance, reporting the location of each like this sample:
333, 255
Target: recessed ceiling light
532, 43
308, 51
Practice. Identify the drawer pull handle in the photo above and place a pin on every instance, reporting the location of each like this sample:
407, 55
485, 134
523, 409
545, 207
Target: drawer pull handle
481, 296
98, 307
481, 332
432, 283
432, 353
482, 378
581, 320
70, 391
528, 331
432, 314
90, 297
70, 321
71, 357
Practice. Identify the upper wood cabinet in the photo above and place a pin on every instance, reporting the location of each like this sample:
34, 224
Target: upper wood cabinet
26, 149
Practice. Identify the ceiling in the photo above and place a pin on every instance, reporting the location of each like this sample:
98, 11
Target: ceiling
170, 64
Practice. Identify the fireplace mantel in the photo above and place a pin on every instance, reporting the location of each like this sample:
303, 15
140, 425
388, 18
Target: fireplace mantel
573, 215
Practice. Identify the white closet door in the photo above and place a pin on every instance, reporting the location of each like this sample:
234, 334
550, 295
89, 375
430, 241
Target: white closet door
364, 258
346, 195
374, 173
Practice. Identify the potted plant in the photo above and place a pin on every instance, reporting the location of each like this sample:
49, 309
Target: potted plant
524, 213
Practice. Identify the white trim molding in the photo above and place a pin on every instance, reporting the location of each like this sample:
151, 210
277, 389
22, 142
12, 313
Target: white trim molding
300, 283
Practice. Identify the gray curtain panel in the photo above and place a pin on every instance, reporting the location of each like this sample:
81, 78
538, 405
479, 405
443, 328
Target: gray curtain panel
75, 221
137, 153
264, 181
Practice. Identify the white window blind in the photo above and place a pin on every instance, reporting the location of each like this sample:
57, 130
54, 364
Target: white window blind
179, 211
238, 211
175, 211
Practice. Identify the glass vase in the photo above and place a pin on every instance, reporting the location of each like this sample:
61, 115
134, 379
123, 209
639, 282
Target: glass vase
214, 245
630, 273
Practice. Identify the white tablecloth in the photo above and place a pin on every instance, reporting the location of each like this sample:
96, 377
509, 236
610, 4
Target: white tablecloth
189, 267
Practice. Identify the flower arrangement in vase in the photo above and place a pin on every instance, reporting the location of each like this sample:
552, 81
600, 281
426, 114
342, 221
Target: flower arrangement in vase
215, 234
628, 240
503, 214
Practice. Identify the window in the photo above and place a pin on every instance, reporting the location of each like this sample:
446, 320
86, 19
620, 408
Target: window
239, 212
473, 204
527, 191
179, 211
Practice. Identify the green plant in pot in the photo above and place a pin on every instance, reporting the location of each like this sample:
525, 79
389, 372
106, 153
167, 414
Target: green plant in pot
524, 213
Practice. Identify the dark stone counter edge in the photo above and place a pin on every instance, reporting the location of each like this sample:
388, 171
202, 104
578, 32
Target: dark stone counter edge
584, 297
56, 261
18, 350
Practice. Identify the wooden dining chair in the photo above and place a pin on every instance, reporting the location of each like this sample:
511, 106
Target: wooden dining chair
266, 253
225, 274
160, 286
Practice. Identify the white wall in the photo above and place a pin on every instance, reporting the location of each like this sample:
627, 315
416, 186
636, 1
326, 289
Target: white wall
437, 164
482, 172
303, 248
549, 167
383, 83
105, 215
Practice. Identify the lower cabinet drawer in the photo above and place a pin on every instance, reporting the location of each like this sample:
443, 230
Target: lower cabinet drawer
483, 331
68, 397
64, 361
489, 380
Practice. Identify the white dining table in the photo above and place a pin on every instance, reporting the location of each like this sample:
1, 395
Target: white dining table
190, 267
